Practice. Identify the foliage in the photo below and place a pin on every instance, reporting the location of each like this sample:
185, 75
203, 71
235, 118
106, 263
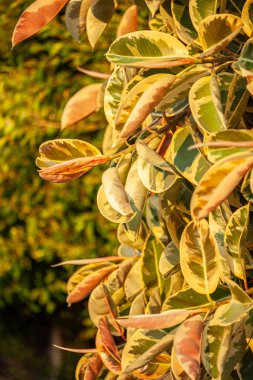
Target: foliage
39, 224
179, 106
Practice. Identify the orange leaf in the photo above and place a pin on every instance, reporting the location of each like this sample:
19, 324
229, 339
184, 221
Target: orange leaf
107, 348
85, 287
129, 21
94, 367
187, 344
35, 17
81, 105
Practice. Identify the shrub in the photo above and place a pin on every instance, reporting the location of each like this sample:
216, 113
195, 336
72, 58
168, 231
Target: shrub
176, 301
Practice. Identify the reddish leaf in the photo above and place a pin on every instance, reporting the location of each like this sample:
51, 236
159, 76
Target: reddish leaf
81, 105
94, 74
59, 178
107, 348
187, 343
129, 21
85, 287
167, 319
35, 17
76, 350
94, 367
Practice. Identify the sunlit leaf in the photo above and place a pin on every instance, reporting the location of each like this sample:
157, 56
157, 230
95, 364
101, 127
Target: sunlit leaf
247, 17
200, 9
199, 257
148, 49
183, 24
166, 319
88, 368
129, 21
217, 31
235, 309
81, 284
81, 105
35, 17
107, 348
218, 182
205, 103
98, 16
235, 241
187, 345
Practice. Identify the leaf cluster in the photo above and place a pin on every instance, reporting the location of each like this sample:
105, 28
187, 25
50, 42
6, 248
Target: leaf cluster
176, 302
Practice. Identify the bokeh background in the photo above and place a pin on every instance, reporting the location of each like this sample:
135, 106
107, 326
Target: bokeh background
42, 223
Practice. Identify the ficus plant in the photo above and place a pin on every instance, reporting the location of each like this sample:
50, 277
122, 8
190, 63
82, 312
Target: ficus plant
176, 303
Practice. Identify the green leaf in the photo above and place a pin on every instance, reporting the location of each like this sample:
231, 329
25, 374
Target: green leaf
169, 260
235, 241
217, 31
236, 309
245, 60
113, 91
218, 220
183, 24
163, 343
199, 257
154, 220
150, 273
176, 98
226, 140
137, 194
205, 104
99, 14
133, 284
219, 182
200, 9
190, 163
190, 299
138, 345
187, 345
148, 49
246, 187
216, 341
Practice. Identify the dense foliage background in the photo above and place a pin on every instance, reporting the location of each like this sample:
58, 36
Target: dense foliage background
41, 224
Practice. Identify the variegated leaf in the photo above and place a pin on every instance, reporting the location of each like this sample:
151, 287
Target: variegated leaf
148, 49
81, 284
187, 346
190, 163
219, 182
199, 257
216, 341
206, 107
88, 367
247, 17
183, 24
217, 31
146, 104
200, 9
98, 16
235, 241
236, 309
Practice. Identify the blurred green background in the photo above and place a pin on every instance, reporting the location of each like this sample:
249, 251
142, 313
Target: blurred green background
43, 223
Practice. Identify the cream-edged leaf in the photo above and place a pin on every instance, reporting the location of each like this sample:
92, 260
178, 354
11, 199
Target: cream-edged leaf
148, 49
199, 257
219, 182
